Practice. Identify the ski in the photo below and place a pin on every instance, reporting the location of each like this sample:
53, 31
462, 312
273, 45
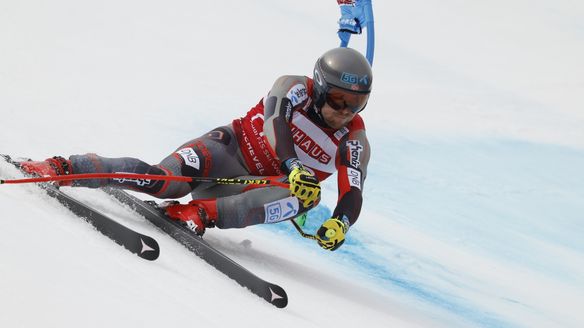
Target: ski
272, 293
144, 246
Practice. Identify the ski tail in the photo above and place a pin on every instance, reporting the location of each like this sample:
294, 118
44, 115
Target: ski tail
143, 246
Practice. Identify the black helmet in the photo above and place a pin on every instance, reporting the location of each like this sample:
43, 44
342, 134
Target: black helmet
343, 69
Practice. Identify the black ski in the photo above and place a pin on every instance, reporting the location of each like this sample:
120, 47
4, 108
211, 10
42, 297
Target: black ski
144, 246
272, 293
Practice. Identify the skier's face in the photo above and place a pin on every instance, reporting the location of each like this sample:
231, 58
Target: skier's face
341, 107
336, 119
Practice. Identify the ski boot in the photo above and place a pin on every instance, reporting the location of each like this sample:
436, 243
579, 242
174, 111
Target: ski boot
54, 166
197, 215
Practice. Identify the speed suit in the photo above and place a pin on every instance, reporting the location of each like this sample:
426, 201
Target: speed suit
285, 124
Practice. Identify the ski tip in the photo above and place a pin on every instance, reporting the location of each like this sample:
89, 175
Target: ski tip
149, 248
276, 296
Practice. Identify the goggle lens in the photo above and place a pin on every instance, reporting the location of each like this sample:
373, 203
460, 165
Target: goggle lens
339, 99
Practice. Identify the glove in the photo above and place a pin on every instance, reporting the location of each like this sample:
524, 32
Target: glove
331, 235
304, 185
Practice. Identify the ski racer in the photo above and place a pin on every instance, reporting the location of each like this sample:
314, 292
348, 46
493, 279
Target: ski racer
301, 133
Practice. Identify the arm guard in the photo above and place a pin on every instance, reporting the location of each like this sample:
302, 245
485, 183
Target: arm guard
352, 159
287, 94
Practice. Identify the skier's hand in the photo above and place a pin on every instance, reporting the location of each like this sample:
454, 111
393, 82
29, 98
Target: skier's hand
305, 186
331, 235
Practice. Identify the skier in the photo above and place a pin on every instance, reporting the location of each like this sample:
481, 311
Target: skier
300, 133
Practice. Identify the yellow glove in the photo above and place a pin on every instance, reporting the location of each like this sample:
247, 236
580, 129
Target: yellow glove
304, 185
331, 235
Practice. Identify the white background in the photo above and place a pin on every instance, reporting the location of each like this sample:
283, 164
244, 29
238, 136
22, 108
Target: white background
473, 203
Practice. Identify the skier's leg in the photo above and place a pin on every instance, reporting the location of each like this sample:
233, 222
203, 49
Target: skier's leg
242, 206
92, 163
213, 154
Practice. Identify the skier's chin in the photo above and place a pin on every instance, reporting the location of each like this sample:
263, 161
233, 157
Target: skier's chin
336, 122
333, 125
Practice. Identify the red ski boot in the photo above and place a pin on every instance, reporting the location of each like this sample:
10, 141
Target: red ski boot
50, 167
197, 215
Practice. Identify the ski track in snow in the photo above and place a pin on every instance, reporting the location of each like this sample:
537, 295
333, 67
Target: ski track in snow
500, 243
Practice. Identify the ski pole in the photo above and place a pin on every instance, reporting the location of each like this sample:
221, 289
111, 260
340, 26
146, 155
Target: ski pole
132, 176
302, 233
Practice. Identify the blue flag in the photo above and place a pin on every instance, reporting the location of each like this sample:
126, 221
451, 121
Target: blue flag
356, 15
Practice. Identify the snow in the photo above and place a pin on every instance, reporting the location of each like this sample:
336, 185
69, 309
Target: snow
473, 208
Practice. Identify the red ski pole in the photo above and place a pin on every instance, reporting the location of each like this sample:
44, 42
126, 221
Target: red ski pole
86, 176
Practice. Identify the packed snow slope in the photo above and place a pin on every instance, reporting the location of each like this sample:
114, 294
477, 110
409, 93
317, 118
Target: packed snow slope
473, 205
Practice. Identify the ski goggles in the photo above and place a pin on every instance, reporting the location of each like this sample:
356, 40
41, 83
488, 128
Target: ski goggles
340, 99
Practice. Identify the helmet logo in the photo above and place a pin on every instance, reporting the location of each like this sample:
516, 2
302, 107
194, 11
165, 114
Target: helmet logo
354, 79
349, 78
364, 80
317, 77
